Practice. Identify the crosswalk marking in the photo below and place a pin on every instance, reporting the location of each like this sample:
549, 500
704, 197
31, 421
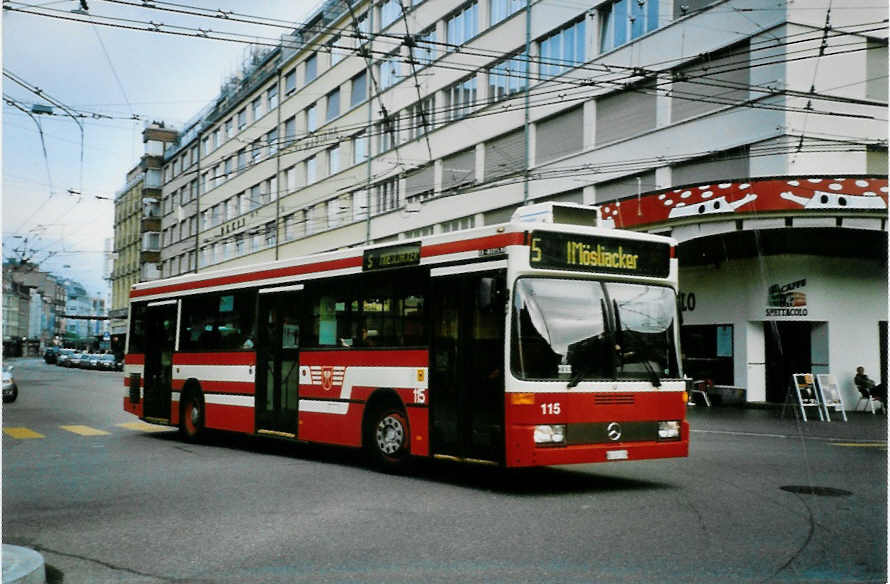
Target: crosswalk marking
143, 427
84, 430
22, 433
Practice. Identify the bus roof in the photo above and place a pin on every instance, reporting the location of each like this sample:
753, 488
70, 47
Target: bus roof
481, 243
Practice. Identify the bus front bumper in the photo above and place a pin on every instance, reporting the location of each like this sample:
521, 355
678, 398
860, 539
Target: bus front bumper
522, 450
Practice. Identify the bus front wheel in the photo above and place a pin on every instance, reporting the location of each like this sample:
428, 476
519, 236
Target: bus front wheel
191, 417
387, 439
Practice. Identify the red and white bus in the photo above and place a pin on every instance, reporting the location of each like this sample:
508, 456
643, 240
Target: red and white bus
542, 341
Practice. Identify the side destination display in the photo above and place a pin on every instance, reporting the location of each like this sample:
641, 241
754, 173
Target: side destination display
394, 256
584, 253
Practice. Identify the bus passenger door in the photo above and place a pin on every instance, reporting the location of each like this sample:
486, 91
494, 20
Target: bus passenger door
467, 366
278, 364
160, 338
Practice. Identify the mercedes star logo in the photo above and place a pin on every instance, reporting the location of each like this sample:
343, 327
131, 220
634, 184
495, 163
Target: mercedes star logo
614, 431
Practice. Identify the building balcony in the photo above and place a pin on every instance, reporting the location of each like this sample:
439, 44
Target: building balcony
151, 257
151, 224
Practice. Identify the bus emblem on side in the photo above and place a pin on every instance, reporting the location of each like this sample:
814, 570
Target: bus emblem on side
614, 431
327, 378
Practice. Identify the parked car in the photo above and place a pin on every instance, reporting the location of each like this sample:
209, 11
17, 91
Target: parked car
10, 389
108, 362
51, 354
74, 360
63, 356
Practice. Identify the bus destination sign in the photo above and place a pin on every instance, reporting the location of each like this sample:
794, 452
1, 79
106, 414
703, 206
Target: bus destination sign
585, 253
394, 256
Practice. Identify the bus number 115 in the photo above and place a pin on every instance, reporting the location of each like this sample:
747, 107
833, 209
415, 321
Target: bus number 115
551, 409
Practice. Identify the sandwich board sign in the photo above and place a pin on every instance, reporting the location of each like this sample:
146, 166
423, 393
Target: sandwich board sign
831, 394
807, 394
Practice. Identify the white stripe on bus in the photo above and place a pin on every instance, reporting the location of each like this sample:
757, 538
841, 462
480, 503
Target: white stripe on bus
242, 373
244, 401
324, 407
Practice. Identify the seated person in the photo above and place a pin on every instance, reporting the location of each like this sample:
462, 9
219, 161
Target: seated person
863, 381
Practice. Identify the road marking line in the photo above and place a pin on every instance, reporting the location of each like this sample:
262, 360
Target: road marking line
84, 430
860, 444
788, 437
143, 427
22, 433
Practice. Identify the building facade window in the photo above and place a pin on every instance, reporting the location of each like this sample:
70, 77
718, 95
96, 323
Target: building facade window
242, 118
311, 118
388, 133
333, 160
272, 141
290, 82
625, 20
333, 109
311, 68
290, 130
256, 108
501, 9
458, 224
290, 179
562, 50
272, 97
425, 50
420, 117
387, 196
256, 151
359, 148
462, 25
359, 89
271, 234
461, 97
390, 11
359, 205
507, 77
333, 212
390, 70
311, 170
230, 128
338, 52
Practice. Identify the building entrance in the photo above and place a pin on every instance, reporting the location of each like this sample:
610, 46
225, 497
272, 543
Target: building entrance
788, 351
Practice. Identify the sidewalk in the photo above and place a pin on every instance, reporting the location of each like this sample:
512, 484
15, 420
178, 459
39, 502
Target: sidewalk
860, 426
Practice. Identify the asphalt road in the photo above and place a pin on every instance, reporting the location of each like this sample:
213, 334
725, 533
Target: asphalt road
107, 500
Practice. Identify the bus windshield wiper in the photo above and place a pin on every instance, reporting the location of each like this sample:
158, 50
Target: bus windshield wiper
644, 351
586, 345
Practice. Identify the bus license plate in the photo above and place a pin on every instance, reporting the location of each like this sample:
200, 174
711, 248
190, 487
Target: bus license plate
616, 455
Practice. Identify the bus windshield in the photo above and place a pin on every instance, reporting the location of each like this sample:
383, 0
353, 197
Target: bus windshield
587, 330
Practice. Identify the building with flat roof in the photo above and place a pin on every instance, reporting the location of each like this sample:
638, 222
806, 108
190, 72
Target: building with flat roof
751, 131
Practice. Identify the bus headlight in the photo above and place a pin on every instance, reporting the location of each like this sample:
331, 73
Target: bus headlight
550, 434
669, 430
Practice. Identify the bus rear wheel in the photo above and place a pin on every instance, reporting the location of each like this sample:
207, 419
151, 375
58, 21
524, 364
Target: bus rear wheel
191, 416
386, 439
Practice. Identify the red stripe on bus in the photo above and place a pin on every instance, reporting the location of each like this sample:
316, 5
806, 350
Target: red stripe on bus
366, 358
229, 358
500, 240
340, 264
491, 241
135, 359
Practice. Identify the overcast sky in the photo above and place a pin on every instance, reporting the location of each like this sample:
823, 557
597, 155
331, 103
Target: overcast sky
110, 72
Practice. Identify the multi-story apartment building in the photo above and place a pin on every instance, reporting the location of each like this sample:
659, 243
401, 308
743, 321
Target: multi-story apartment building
723, 124
137, 224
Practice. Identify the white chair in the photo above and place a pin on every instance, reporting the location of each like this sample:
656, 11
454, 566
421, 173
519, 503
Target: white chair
866, 396
699, 386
